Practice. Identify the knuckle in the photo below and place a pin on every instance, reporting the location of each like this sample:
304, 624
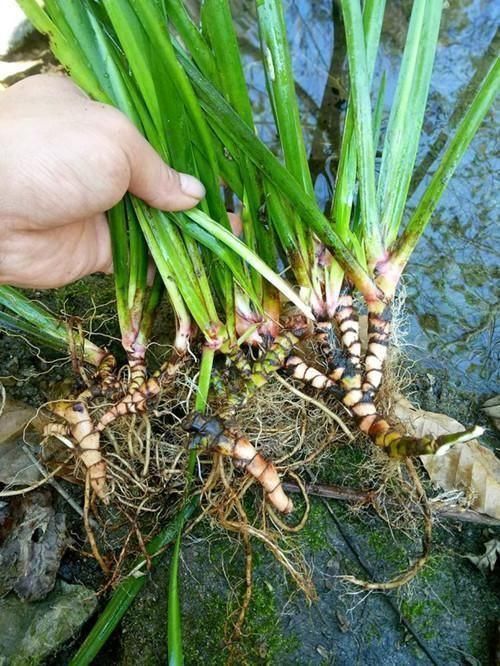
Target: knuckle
170, 177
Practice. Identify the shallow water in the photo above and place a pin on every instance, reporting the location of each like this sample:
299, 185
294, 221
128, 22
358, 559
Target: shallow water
452, 321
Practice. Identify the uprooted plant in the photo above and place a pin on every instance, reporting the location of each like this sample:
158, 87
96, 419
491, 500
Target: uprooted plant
184, 88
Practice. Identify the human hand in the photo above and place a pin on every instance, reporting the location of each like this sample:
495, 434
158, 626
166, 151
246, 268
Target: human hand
64, 161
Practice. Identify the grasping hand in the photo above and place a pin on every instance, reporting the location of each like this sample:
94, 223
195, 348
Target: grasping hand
64, 161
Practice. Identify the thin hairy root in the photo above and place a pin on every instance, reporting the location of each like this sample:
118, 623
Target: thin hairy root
210, 432
309, 458
317, 404
379, 331
237, 628
298, 369
298, 526
77, 418
408, 575
88, 528
147, 453
117, 565
142, 546
304, 583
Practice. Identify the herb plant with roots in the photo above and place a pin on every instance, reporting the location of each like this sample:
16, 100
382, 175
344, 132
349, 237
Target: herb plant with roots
183, 86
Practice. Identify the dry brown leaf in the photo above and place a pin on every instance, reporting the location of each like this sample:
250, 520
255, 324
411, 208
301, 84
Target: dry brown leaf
16, 468
14, 418
490, 556
470, 466
492, 408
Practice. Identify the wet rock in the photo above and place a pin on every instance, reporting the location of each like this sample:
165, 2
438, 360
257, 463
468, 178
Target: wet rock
31, 632
16, 468
33, 539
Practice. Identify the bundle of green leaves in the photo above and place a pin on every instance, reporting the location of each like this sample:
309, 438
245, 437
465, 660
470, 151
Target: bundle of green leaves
180, 79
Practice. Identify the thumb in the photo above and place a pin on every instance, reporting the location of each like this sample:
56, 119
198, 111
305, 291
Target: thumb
155, 182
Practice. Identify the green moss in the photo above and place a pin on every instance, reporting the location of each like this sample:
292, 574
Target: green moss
424, 615
210, 611
265, 641
204, 633
313, 535
385, 550
346, 464
373, 632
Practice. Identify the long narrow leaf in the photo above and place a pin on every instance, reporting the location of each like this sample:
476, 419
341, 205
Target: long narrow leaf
27, 317
240, 248
281, 86
405, 121
222, 115
127, 591
489, 89
191, 37
345, 184
360, 92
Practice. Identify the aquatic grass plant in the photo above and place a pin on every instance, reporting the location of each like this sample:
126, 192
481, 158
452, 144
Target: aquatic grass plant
184, 87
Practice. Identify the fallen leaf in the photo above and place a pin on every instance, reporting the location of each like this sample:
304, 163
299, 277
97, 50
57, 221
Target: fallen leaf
489, 558
14, 418
344, 624
492, 409
469, 466
33, 545
16, 468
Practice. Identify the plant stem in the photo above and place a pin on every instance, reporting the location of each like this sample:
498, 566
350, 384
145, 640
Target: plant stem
254, 260
174, 622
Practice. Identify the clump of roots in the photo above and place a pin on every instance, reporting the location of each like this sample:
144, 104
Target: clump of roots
289, 430
135, 466
294, 435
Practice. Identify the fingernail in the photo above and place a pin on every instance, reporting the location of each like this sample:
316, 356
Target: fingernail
191, 186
